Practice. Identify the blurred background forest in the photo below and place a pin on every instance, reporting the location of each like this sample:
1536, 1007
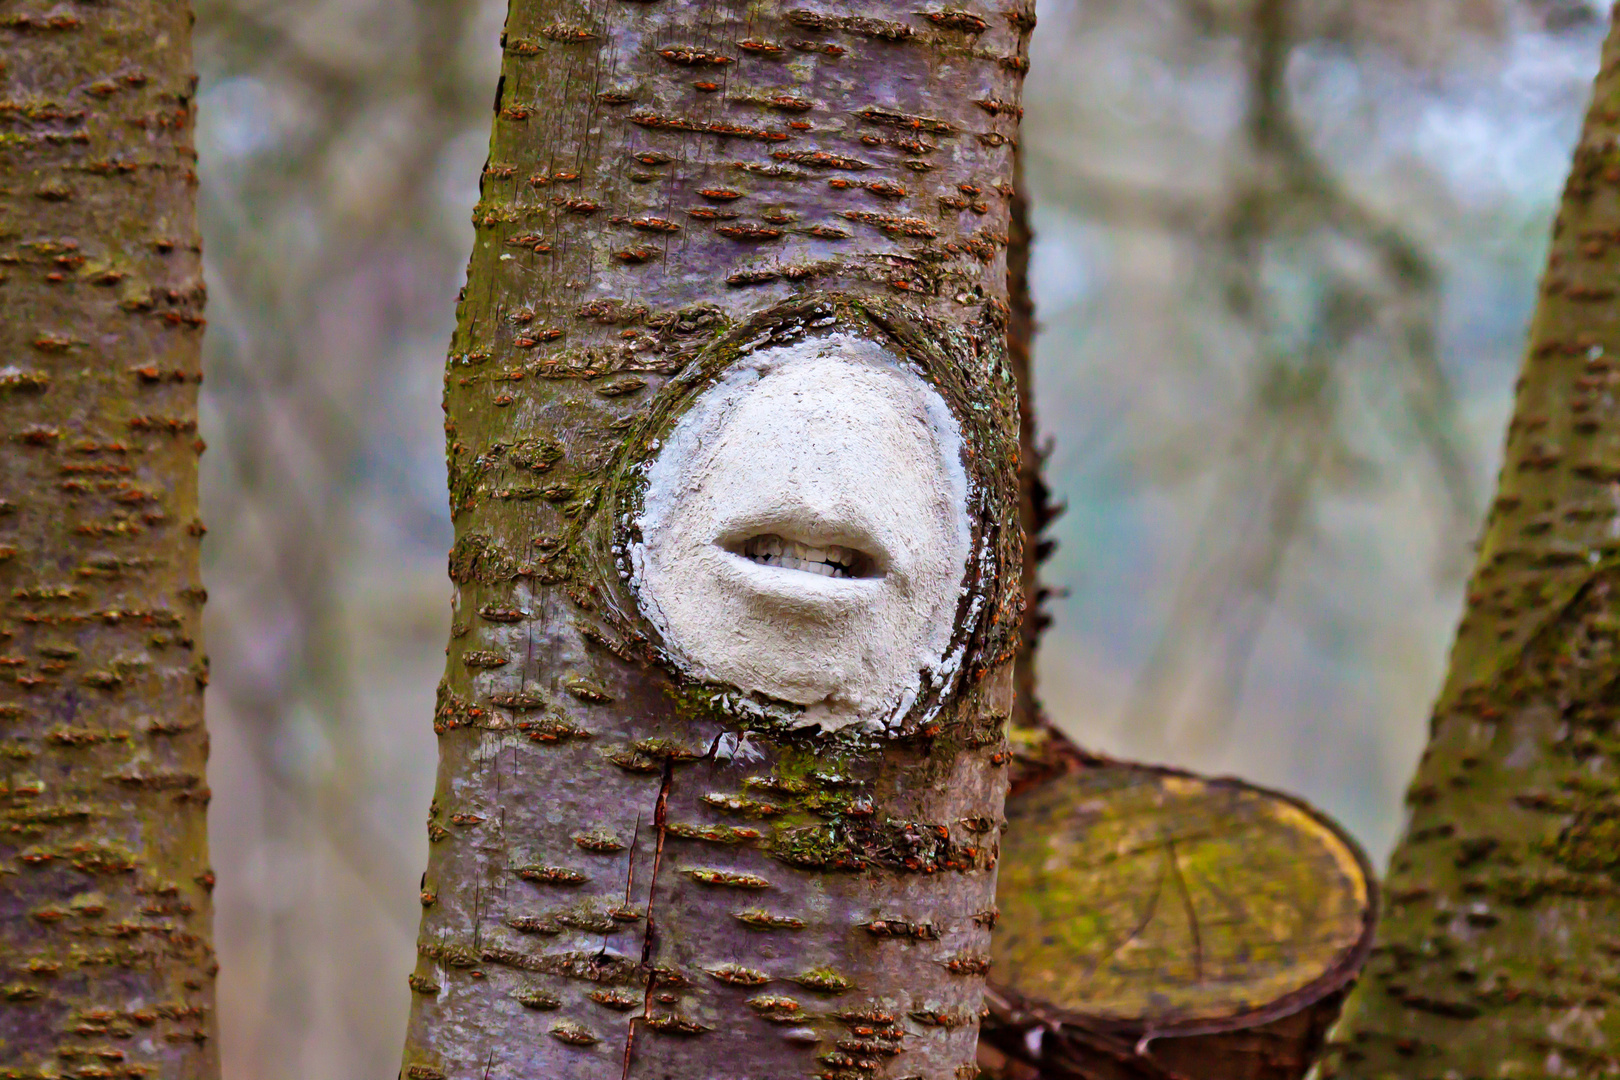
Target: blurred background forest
1286, 252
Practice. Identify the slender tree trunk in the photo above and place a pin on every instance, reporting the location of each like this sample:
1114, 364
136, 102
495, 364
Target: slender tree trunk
1036, 511
657, 851
1500, 950
105, 964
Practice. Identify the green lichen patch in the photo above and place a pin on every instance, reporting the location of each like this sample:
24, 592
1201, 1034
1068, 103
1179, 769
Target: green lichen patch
617, 1000
598, 841
855, 840
476, 557
729, 879
1591, 843
574, 1034
589, 921
816, 847
586, 689
521, 701
833, 804
632, 762
941, 1017
669, 750
738, 804
765, 920
736, 975
777, 1007
778, 785
901, 929
672, 1024
551, 729
534, 997
713, 834
536, 454
550, 875
824, 981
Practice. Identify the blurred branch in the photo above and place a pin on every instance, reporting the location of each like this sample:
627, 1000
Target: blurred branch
248, 42
1271, 472
296, 388
1127, 204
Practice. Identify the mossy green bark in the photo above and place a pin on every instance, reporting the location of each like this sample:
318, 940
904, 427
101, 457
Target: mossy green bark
105, 964
634, 874
1500, 952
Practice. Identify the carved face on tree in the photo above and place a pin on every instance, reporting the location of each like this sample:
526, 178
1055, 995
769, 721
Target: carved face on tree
804, 531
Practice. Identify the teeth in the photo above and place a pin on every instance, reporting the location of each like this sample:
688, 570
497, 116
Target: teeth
829, 561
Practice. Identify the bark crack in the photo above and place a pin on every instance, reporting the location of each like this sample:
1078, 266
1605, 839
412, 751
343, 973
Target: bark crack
660, 813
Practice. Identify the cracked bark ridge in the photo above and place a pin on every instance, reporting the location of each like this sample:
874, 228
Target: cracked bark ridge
1499, 954
105, 964
632, 875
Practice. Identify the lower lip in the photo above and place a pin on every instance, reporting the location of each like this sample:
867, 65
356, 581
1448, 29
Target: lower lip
785, 580
828, 570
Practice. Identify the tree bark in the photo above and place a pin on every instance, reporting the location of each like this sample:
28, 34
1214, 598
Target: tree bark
638, 870
1498, 955
105, 964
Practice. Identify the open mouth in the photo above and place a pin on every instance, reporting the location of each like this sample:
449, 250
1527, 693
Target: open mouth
826, 560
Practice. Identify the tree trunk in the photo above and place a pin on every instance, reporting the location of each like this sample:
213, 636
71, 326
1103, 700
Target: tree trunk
733, 457
1499, 953
105, 964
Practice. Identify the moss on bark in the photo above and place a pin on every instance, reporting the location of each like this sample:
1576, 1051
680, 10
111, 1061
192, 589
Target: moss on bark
1498, 955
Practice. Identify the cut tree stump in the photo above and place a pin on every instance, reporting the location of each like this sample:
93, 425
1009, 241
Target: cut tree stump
1159, 924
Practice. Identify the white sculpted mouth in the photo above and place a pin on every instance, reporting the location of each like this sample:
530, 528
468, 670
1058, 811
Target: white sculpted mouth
804, 530
826, 560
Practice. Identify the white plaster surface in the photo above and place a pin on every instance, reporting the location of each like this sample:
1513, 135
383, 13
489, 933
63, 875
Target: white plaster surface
831, 448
